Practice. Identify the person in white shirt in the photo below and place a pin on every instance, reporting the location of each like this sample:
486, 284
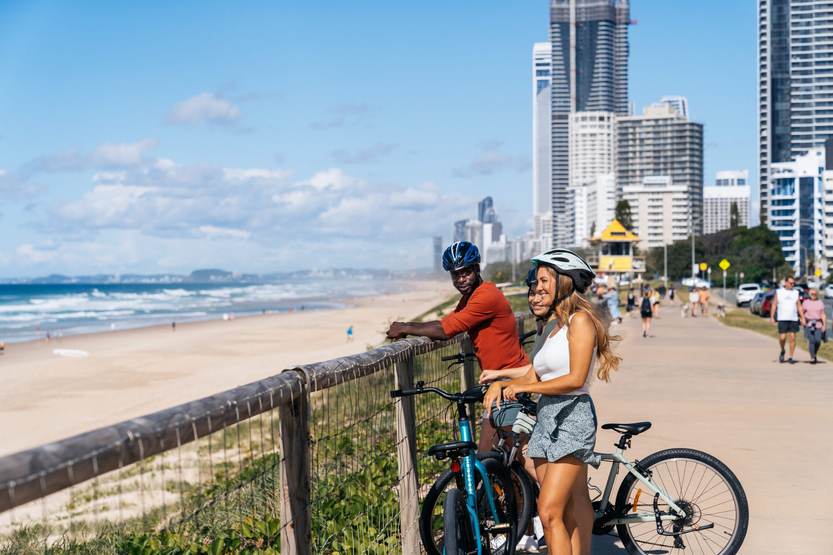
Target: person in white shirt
787, 311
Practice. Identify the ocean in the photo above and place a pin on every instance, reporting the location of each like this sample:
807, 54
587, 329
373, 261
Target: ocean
29, 311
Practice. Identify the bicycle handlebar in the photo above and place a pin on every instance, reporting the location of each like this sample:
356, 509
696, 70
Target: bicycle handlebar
458, 357
469, 396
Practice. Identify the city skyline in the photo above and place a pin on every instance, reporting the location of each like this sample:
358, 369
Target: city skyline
105, 138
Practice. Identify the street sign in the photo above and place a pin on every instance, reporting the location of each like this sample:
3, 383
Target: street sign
818, 272
703, 266
724, 264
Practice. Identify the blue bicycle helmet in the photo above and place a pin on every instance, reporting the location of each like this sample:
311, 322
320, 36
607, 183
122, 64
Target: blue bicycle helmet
461, 254
532, 278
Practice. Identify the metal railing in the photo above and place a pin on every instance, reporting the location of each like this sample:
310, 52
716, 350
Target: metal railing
316, 459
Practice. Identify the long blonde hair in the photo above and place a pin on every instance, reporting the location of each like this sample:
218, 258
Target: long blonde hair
576, 302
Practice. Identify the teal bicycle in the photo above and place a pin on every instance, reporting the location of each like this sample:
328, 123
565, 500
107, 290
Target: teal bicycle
480, 514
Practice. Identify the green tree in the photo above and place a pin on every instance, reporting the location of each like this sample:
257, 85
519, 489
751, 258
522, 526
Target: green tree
754, 251
622, 212
499, 272
734, 216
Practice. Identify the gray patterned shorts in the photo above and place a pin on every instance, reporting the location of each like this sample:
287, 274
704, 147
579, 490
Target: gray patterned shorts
566, 426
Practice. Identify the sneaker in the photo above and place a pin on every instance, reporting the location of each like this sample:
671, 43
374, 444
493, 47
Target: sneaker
497, 542
644, 334
781, 357
527, 543
790, 360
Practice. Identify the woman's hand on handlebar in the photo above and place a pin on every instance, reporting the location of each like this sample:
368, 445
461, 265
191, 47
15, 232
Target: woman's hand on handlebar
493, 395
511, 392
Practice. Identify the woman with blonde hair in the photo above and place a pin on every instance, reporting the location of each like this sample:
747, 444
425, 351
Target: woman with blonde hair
564, 437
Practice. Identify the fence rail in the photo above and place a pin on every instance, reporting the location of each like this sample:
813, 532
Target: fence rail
313, 460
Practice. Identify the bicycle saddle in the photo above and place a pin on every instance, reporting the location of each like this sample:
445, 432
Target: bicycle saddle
452, 449
632, 429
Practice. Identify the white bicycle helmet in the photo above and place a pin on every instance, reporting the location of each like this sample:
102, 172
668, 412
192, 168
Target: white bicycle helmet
567, 262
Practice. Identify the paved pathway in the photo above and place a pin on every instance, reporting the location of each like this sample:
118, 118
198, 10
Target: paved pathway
722, 390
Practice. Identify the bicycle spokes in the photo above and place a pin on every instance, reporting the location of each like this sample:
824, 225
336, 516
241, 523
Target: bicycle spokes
710, 506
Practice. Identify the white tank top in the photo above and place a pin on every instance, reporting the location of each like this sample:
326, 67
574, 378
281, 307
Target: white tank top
553, 361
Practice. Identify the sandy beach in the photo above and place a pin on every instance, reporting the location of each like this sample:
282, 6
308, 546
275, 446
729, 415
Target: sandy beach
129, 373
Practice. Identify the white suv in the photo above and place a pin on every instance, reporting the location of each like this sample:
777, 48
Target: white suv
745, 293
828, 292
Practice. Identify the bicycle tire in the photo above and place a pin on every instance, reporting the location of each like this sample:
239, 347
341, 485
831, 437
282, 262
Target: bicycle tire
455, 523
430, 518
672, 467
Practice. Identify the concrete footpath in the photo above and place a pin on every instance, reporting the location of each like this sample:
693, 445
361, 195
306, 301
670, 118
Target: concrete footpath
721, 390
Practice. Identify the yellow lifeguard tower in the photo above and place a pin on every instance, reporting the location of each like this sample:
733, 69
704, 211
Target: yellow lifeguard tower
616, 251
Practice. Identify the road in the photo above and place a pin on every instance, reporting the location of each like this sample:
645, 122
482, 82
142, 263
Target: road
721, 390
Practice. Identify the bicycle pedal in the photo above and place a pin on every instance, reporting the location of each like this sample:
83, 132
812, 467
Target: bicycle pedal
500, 529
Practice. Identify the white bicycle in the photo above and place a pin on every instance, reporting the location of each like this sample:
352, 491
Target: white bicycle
676, 499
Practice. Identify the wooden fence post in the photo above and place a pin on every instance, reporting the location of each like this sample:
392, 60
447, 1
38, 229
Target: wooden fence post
406, 442
296, 517
467, 381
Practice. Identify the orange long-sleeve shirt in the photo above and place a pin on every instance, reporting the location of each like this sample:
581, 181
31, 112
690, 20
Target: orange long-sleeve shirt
489, 319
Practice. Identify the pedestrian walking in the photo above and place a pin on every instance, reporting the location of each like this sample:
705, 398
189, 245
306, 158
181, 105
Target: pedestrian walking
631, 306
788, 312
692, 298
703, 296
612, 299
2, 348
350, 334
671, 291
655, 300
815, 330
646, 311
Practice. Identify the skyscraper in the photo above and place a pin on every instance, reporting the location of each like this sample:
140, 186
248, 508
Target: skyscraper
541, 128
589, 72
795, 107
661, 142
438, 255
680, 103
730, 189
486, 211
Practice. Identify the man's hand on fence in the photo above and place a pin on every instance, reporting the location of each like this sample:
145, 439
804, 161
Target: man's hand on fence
396, 331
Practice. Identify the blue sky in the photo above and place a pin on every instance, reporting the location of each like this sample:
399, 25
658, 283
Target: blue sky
270, 136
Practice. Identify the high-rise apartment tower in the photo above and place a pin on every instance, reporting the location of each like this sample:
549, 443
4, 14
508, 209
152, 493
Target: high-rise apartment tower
541, 128
795, 106
589, 72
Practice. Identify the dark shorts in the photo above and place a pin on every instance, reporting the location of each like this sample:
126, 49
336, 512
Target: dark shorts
787, 326
646, 314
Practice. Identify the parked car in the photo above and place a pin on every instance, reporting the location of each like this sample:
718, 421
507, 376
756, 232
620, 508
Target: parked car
828, 292
766, 304
745, 293
696, 282
755, 303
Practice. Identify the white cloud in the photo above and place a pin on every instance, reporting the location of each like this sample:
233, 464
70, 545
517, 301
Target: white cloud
414, 198
122, 154
364, 155
29, 254
68, 160
221, 233
193, 213
204, 107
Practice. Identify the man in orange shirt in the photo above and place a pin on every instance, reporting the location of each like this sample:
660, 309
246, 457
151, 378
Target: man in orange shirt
485, 314
703, 297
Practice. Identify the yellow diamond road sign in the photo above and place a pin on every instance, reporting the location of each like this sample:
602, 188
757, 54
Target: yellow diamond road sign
724, 264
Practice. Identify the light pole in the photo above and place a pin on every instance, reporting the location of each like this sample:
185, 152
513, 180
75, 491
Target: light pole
665, 264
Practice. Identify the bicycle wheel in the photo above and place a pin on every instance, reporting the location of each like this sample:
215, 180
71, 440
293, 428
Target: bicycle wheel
431, 519
702, 486
457, 524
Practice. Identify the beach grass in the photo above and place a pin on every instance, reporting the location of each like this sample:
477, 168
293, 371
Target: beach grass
739, 318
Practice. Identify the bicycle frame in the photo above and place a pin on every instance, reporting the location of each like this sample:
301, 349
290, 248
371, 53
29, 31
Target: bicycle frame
468, 468
617, 458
